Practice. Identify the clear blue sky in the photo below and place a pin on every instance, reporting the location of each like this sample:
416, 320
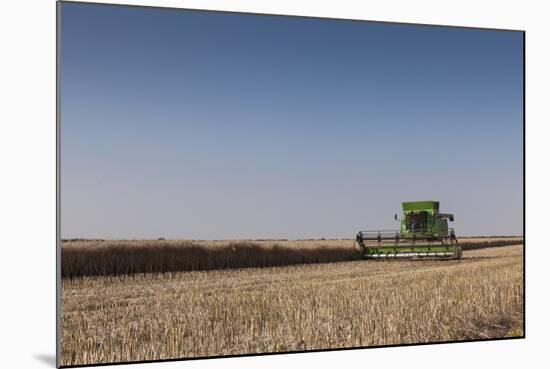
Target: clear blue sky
188, 124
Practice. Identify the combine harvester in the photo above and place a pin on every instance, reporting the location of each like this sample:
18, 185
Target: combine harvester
424, 233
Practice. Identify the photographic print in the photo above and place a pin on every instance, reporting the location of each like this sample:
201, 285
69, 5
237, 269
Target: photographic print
240, 184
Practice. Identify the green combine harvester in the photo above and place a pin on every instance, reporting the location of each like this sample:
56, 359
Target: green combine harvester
424, 233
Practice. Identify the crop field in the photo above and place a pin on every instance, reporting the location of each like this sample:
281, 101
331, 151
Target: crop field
107, 257
110, 316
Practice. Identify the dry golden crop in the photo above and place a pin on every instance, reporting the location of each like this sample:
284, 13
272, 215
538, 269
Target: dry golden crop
95, 258
300, 307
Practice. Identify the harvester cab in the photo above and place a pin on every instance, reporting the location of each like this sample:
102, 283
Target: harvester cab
424, 232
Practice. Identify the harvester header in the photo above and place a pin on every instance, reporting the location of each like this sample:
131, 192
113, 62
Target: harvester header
424, 232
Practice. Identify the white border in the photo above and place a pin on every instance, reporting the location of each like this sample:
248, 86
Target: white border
27, 202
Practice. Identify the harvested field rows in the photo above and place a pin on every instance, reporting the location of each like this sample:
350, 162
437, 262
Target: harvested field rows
301, 307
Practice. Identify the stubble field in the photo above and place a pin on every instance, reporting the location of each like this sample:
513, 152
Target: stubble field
148, 316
